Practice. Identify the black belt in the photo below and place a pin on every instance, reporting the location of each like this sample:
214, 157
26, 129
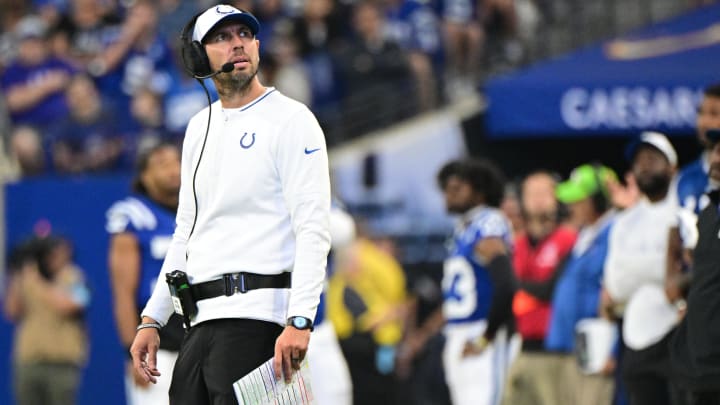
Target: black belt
241, 282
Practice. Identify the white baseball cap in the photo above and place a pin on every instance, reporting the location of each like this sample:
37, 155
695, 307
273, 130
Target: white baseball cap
657, 141
215, 15
30, 27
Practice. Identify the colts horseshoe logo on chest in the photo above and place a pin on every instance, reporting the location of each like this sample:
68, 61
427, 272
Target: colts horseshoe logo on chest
246, 142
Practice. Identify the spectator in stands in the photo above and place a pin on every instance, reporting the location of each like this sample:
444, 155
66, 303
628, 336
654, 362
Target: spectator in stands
464, 38
284, 70
500, 22
141, 227
84, 33
577, 293
416, 28
692, 183
271, 16
635, 269
366, 302
695, 346
148, 126
13, 12
88, 138
33, 84
47, 297
374, 73
318, 27
171, 16
139, 58
538, 253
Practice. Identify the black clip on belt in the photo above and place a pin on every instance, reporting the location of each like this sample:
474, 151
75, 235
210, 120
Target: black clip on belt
241, 282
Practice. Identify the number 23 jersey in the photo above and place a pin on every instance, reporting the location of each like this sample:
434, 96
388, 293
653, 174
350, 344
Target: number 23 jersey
467, 287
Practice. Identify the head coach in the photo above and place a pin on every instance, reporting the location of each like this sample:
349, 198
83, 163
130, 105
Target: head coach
247, 258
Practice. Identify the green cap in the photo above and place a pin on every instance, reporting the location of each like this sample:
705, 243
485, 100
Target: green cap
584, 182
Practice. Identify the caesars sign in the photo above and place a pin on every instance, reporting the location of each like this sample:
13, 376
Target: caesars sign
630, 108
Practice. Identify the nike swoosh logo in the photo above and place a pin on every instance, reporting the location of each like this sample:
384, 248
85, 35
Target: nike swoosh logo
309, 151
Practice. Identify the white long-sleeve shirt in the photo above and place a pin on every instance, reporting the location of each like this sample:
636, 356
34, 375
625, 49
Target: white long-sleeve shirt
638, 245
263, 197
635, 268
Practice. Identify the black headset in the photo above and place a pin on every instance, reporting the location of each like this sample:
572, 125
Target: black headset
197, 64
193, 53
601, 196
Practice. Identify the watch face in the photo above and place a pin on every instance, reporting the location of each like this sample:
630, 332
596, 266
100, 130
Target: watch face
300, 322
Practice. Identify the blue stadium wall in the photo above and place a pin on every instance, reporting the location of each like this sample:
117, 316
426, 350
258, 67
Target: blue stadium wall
76, 209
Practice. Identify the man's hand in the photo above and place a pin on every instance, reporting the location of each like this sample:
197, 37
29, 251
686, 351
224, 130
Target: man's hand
290, 349
144, 354
623, 197
137, 378
607, 306
609, 367
475, 347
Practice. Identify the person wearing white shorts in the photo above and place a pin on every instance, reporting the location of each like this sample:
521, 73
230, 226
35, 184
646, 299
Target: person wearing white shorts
478, 285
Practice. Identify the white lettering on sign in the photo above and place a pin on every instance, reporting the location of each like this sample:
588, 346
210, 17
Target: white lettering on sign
630, 107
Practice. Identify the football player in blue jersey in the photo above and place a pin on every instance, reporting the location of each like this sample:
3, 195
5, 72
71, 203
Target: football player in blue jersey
140, 228
692, 183
478, 283
478, 286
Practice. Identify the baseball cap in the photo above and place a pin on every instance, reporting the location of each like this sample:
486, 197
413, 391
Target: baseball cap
584, 181
657, 141
30, 27
217, 14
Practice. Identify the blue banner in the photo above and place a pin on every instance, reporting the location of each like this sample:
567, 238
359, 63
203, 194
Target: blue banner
650, 79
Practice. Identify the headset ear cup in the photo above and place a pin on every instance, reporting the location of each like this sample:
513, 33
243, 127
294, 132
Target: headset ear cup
600, 202
193, 53
199, 59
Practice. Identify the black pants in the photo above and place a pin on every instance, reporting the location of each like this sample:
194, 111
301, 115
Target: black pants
370, 387
647, 375
217, 353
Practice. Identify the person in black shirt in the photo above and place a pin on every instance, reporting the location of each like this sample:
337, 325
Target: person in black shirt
695, 346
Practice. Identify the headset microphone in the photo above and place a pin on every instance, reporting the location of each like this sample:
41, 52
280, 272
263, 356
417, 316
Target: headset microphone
226, 68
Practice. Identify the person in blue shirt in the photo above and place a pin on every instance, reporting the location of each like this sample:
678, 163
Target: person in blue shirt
34, 83
692, 183
577, 291
416, 28
139, 58
87, 138
140, 228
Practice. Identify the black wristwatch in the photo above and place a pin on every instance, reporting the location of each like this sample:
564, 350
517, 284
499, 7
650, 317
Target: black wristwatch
300, 322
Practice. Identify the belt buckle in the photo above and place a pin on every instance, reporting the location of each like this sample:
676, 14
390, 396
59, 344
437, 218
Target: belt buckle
235, 283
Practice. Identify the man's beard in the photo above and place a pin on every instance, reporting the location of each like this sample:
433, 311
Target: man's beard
654, 185
235, 82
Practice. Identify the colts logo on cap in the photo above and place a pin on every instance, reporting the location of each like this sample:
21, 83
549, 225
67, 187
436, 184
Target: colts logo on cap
224, 9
